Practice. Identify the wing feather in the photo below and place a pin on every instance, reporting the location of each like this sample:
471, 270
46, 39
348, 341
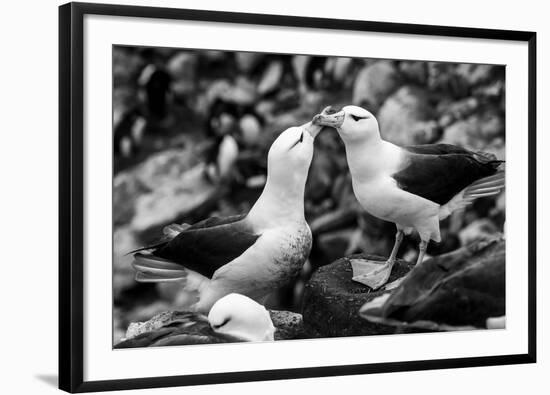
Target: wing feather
439, 172
209, 244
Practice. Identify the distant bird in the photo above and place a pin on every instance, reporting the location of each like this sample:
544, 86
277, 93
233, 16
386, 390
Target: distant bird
233, 318
129, 130
221, 158
154, 83
228, 116
252, 254
311, 72
414, 187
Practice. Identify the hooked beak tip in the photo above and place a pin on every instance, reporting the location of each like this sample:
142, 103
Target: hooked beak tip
332, 120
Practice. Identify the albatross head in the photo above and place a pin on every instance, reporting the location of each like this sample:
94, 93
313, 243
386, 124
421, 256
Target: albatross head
290, 156
352, 123
240, 316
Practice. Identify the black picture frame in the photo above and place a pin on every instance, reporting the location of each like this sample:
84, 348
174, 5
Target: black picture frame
71, 198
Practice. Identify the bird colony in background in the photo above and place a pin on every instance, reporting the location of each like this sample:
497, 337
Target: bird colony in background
222, 144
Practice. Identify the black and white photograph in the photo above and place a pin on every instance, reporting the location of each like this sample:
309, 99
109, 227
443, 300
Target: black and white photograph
272, 198
275, 197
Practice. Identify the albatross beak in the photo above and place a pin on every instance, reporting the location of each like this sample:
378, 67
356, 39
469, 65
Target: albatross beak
332, 120
314, 128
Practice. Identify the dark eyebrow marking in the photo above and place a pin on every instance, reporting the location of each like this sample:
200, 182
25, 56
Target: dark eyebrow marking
298, 141
222, 324
356, 118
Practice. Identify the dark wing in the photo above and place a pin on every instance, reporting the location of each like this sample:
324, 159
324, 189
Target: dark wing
182, 329
438, 172
437, 149
208, 245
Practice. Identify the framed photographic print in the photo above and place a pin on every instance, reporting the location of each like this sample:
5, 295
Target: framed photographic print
250, 197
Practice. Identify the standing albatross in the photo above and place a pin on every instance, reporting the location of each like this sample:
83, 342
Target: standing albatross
252, 254
414, 187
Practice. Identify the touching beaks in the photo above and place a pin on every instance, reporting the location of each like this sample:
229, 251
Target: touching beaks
332, 120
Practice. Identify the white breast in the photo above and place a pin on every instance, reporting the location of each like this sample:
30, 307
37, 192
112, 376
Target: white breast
276, 257
382, 198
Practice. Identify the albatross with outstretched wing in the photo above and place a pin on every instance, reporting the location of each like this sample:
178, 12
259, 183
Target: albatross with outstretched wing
414, 187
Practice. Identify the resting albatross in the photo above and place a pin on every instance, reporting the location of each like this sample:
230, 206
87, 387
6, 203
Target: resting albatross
233, 318
252, 254
414, 187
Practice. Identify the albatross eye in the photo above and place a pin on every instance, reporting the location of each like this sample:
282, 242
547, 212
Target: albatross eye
222, 324
356, 118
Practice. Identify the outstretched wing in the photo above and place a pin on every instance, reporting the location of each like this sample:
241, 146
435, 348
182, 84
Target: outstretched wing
438, 172
208, 245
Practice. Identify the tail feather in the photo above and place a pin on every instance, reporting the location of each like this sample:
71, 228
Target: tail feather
495, 179
150, 268
153, 269
485, 189
143, 277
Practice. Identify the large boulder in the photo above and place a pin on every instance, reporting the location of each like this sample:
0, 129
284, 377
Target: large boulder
476, 132
332, 300
461, 290
374, 83
408, 118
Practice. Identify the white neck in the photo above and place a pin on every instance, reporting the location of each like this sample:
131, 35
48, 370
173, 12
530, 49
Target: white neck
280, 202
371, 158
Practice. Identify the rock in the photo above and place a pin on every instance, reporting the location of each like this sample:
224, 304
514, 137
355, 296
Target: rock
126, 188
455, 110
173, 200
460, 133
481, 229
168, 185
322, 172
374, 83
459, 290
288, 325
475, 132
414, 71
492, 90
407, 118
183, 68
126, 65
332, 300
442, 78
247, 61
333, 220
124, 241
334, 244
137, 328
474, 74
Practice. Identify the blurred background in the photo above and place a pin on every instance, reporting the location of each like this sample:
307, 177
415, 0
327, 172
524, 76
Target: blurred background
191, 131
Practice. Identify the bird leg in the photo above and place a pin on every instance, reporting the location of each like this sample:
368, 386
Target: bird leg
397, 244
374, 274
421, 251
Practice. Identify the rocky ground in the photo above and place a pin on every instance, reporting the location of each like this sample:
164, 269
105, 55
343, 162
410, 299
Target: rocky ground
168, 125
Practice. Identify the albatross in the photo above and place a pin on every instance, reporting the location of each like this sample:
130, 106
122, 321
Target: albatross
251, 254
414, 187
233, 318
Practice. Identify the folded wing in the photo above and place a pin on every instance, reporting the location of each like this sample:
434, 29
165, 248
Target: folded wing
202, 248
438, 172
